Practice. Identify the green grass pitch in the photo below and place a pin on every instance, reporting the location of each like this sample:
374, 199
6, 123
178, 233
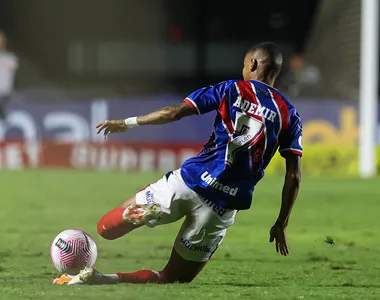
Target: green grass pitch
37, 205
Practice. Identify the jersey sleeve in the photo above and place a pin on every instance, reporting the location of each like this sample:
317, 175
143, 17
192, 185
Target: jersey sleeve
291, 139
208, 98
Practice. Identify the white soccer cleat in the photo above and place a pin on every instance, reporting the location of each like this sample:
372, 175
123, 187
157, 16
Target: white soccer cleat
89, 276
141, 213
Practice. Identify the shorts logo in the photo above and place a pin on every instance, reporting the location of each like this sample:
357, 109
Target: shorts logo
215, 207
206, 177
196, 248
149, 197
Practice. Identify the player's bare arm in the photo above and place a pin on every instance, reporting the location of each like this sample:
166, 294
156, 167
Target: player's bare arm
289, 196
161, 116
166, 114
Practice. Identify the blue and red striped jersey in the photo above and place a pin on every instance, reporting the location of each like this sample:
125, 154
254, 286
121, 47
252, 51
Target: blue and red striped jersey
253, 121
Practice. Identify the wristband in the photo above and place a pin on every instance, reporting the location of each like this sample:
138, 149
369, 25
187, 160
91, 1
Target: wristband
131, 122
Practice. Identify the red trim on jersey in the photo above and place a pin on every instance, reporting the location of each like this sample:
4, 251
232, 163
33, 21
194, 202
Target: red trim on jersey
247, 93
224, 111
294, 151
283, 109
192, 105
257, 151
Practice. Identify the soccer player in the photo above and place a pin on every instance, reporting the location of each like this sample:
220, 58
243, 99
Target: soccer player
8, 68
253, 121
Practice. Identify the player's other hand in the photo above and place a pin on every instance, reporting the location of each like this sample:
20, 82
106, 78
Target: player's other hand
277, 235
111, 126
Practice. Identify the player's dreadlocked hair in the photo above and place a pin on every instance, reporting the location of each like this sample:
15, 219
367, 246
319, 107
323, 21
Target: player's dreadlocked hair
270, 55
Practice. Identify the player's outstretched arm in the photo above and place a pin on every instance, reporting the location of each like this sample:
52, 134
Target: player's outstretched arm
166, 114
161, 116
289, 195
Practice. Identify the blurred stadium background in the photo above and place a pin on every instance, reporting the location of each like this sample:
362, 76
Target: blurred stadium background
119, 60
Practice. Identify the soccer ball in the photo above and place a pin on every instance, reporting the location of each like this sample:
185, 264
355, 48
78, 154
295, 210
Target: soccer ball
72, 250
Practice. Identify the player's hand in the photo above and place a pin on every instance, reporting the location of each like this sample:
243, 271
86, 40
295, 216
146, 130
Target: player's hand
277, 235
111, 126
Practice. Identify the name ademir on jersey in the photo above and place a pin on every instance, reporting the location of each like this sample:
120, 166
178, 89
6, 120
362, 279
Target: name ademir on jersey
254, 109
211, 181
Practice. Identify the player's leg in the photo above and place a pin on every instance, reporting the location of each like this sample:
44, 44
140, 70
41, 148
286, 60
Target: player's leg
113, 225
156, 204
201, 234
177, 269
196, 242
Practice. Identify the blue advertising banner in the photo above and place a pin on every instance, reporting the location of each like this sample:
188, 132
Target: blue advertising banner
325, 122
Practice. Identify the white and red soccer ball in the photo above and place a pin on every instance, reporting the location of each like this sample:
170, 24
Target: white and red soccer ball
73, 250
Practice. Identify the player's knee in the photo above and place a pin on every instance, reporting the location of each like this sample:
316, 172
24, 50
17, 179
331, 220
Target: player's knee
104, 233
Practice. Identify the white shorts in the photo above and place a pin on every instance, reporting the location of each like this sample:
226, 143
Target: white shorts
205, 225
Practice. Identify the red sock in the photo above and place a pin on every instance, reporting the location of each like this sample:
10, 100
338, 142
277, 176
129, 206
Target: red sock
142, 276
112, 226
